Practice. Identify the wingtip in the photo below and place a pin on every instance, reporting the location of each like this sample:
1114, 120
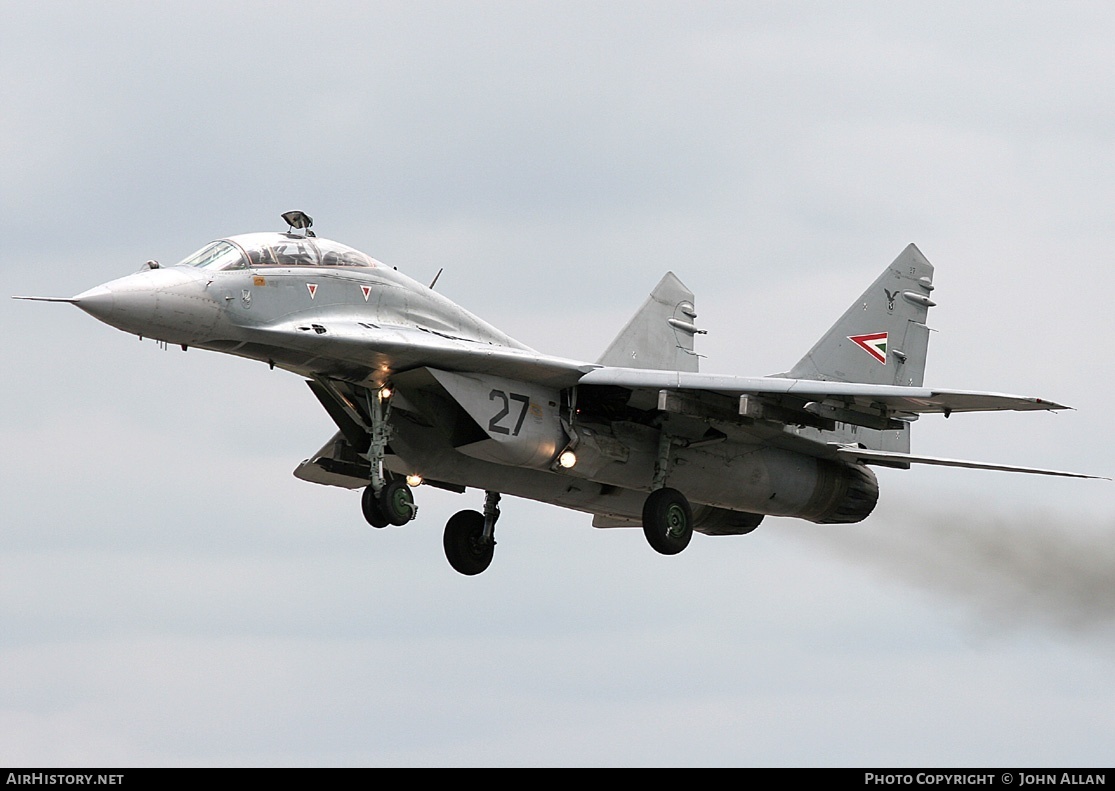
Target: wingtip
1052, 406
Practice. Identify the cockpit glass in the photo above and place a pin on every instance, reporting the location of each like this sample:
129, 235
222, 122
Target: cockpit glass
277, 250
337, 254
216, 255
283, 250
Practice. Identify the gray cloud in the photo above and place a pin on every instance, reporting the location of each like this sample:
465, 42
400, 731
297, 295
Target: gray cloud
170, 595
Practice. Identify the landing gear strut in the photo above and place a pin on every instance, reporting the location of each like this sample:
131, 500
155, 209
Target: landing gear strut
470, 540
384, 502
667, 517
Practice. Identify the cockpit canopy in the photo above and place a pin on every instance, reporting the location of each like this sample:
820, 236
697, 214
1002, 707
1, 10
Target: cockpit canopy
253, 250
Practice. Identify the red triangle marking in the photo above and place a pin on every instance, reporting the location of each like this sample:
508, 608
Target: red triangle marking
313, 289
367, 290
874, 343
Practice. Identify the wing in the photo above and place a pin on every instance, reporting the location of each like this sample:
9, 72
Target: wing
768, 405
899, 401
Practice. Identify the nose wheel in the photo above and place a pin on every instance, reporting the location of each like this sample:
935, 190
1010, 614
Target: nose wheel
392, 505
369, 504
397, 502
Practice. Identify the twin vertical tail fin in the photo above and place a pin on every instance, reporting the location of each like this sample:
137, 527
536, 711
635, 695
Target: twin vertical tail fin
660, 335
882, 338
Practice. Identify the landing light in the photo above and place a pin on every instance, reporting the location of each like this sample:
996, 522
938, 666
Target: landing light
567, 459
414, 480
385, 392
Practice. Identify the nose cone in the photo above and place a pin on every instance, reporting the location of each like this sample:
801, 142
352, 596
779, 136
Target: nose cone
97, 302
127, 304
169, 304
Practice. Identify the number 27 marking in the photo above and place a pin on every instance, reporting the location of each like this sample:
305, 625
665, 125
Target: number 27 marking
494, 424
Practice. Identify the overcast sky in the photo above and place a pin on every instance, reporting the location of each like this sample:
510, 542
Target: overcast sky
171, 595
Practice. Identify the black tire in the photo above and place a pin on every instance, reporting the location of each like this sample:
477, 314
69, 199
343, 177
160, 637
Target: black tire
465, 548
667, 521
396, 502
369, 504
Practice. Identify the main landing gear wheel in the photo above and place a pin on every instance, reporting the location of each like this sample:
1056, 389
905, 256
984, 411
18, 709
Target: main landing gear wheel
667, 521
466, 549
369, 504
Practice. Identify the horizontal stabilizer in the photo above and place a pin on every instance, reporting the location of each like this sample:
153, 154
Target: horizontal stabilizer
905, 459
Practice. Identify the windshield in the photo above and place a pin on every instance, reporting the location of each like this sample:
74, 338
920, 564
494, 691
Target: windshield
216, 255
273, 249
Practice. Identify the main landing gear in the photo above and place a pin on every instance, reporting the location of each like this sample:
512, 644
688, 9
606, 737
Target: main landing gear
667, 517
470, 540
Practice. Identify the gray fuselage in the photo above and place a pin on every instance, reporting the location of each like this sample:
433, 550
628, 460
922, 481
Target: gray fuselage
331, 314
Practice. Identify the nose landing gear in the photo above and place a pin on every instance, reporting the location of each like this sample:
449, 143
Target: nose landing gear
386, 501
393, 505
369, 504
396, 501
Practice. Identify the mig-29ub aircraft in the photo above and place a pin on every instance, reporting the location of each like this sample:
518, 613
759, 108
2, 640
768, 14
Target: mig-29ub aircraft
423, 391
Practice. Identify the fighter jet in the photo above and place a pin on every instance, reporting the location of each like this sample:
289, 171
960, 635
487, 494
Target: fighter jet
422, 391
